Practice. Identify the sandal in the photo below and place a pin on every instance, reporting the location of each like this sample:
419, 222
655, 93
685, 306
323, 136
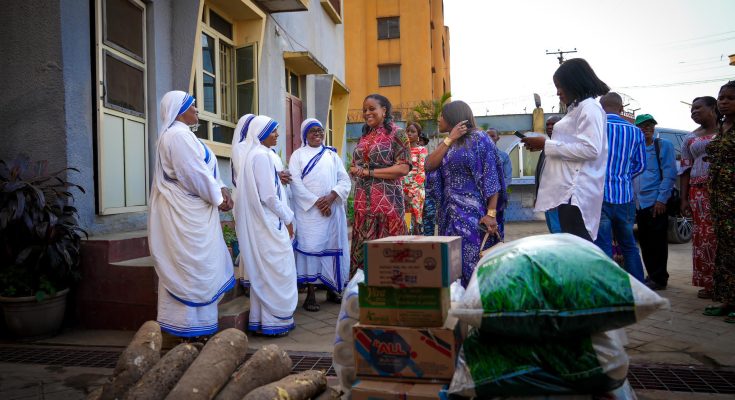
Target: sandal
718, 311
704, 294
333, 297
730, 319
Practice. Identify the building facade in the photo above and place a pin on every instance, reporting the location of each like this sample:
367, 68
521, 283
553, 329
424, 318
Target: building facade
398, 48
83, 90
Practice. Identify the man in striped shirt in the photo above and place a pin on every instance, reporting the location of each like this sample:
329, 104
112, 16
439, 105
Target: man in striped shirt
626, 158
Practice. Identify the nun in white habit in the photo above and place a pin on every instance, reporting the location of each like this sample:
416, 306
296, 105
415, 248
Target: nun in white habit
184, 233
320, 188
263, 224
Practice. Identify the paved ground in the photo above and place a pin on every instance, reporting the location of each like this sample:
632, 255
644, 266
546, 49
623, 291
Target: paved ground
682, 336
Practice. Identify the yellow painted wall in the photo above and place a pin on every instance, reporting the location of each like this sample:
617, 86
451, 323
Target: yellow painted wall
417, 50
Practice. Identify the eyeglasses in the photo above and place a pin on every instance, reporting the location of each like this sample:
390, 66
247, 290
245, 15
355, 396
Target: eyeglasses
316, 131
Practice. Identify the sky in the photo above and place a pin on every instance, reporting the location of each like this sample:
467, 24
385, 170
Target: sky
657, 54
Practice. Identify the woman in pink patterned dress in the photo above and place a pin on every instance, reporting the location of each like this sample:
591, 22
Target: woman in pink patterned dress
380, 160
413, 183
695, 198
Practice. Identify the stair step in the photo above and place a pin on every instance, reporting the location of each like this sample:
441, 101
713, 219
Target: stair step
146, 261
234, 313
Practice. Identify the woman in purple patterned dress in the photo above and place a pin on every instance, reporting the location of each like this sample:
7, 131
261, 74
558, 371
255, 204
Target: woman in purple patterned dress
468, 184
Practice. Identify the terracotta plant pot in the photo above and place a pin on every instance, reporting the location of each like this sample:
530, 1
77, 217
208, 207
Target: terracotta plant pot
27, 318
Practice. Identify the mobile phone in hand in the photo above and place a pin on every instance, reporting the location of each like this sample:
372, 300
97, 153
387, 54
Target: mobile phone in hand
520, 135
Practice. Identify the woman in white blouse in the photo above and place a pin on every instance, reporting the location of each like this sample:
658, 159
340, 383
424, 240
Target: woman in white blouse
574, 172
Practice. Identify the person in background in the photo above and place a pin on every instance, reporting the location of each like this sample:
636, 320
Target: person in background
381, 158
468, 184
413, 183
263, 222
573, 175
504, 157
551, 216
695, 199
626, 159
653, 189
429, 218
721, 153
320, 186
185, 238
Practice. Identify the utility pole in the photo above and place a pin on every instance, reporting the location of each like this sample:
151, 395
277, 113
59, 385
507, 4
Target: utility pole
561, 54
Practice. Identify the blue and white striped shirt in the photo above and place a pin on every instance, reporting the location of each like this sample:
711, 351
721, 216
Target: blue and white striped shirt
626, 158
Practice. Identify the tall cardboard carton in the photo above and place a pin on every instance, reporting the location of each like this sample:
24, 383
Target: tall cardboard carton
413, 261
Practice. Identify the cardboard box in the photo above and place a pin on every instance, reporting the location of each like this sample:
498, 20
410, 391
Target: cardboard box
413, 261
381, 390
406, 354
414, 307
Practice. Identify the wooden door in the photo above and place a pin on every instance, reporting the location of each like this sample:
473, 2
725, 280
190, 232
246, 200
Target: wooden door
294, 118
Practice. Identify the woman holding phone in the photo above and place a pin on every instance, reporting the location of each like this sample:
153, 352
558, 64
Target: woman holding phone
573, 175
467, 185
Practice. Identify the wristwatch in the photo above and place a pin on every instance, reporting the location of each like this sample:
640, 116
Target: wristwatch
492, 213
448, 141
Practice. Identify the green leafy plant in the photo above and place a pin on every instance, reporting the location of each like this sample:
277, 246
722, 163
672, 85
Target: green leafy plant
429, 110
39, 232
229, 233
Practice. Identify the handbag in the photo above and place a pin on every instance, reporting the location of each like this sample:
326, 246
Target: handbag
673, 204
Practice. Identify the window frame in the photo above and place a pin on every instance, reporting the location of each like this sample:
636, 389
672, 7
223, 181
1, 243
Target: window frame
390, 84
221, 117
387, 20
254, 80
289, 74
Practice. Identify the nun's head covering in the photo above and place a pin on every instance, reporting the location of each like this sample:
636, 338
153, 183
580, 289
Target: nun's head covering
258, 129
241, 130
261, 127
173, 104
305, 126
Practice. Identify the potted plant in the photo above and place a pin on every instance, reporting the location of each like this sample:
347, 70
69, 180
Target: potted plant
230, 239
39, 246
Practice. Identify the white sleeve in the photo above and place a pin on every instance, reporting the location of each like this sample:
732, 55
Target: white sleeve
590, 134
302, 196
191, 171
265, 181
344, 183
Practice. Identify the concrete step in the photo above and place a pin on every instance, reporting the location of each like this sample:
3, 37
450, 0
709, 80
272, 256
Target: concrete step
234, 313
141, 262
118, 288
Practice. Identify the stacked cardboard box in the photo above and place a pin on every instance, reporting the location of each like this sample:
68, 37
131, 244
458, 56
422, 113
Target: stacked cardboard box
404, 335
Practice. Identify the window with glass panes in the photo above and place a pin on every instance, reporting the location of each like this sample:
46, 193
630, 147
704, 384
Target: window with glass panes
292, 83
225, 82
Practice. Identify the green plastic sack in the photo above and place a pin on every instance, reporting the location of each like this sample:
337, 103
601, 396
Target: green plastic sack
490, 366
552, 286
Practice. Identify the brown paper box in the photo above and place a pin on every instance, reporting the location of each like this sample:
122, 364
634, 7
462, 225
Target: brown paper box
382, 390
406, 354
413, 261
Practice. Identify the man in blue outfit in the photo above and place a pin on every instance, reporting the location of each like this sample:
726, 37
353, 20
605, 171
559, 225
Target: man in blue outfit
653, 189
626, 159
504, 157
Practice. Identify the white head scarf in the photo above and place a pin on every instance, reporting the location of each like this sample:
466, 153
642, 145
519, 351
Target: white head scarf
259, 126
305, 126
238, 142
173, 104
241, 130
